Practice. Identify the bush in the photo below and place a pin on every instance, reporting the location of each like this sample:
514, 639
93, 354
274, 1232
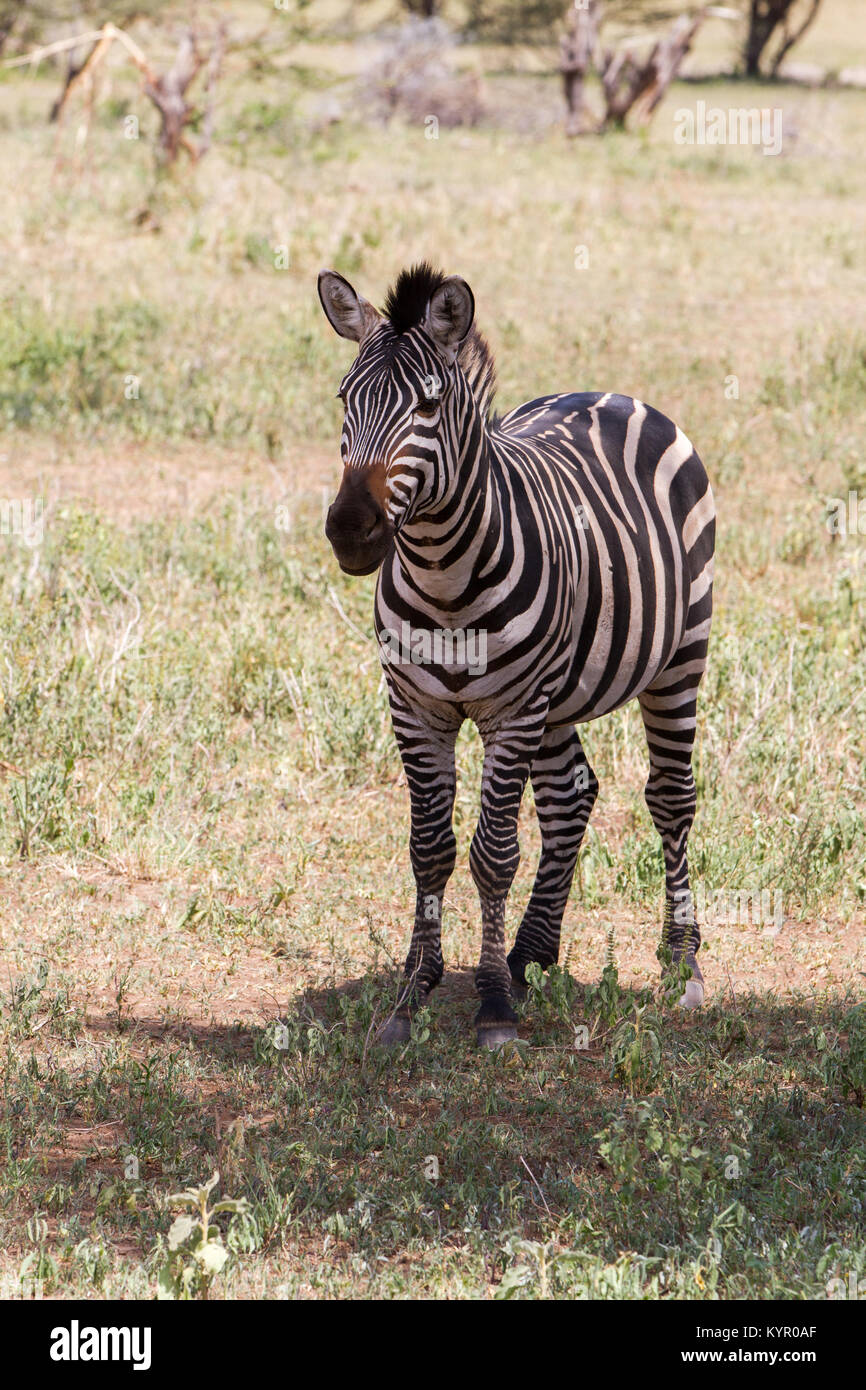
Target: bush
413, 78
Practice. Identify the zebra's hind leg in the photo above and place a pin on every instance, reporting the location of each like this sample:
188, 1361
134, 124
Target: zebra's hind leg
565, 789
669, 708
428, 757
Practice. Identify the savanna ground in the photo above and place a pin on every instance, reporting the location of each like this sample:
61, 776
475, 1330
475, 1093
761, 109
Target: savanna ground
203, 821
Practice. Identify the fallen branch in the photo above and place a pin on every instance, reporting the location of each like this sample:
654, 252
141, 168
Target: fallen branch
62, 45
632, 86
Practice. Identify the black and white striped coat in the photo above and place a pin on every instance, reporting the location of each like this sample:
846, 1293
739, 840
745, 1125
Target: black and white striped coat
574, 539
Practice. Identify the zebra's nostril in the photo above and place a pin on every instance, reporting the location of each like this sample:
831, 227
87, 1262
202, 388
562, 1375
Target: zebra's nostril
374, 531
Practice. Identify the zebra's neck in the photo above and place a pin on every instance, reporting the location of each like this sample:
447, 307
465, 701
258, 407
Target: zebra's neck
446, 553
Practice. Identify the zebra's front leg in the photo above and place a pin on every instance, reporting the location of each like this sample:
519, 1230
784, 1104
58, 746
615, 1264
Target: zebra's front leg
428, 758
493, 859
565, 789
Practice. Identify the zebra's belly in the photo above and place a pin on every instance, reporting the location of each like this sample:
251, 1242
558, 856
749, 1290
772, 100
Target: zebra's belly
489, 676
485, 676
593, 694
618, 660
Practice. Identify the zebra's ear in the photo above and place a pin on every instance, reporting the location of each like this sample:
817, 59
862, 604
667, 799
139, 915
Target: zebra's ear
449, 315
346, 311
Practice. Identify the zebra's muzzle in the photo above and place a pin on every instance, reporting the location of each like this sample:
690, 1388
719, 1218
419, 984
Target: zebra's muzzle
359, 532
360, 570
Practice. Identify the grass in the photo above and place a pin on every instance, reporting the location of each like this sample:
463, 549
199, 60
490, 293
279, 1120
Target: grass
203, 822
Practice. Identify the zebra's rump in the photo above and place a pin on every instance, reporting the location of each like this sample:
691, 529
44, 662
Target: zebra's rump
645, 510
603, 573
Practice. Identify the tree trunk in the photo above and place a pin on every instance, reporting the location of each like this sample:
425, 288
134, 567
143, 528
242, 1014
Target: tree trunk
789, 39
765, 17
578, 50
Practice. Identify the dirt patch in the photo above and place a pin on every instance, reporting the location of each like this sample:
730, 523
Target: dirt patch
129, 481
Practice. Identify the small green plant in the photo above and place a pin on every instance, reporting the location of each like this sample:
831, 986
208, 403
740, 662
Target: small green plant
37, 1273
622, 1143
121, 989
38, 805
846, 1067
542, 1266
195, 1242
641, 870
675, 977
28, 997
280, 1038
551, 994
25, 999
662, 1160
93, 1261
636, 1050
607, 997
421, 1019
728, 1032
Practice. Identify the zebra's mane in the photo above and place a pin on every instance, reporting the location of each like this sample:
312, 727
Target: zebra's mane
408, 297
404, 308
479, 368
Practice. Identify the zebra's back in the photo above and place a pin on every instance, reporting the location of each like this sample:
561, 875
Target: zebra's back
630, 486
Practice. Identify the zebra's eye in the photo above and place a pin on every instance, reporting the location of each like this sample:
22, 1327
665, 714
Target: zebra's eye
427, 405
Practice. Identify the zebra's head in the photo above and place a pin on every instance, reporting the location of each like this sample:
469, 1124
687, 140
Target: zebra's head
401, 396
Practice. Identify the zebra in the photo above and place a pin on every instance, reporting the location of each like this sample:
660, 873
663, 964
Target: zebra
577, 533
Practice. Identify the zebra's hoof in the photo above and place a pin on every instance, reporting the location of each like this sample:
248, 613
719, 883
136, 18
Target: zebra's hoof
494, 1036
395, 1032
496, 1021
693, 997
